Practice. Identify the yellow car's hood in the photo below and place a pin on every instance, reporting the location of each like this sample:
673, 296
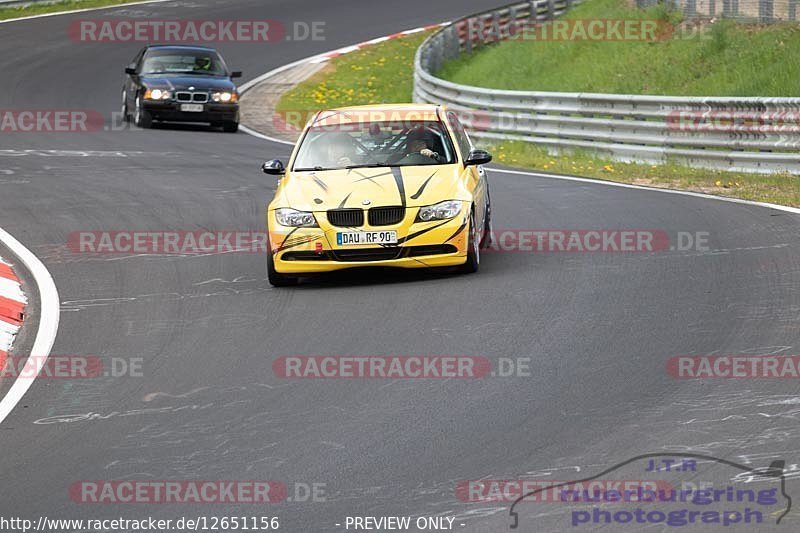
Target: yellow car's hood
411, 186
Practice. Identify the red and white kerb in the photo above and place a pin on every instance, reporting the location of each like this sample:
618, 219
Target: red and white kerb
346, 50
12, 305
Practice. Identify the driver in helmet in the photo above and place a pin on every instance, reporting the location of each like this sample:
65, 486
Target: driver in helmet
202, 64
418, 145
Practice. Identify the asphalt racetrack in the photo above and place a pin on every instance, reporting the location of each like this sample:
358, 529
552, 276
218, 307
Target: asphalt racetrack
596, 329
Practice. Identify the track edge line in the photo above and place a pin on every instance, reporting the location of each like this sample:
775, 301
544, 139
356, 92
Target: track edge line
48, 321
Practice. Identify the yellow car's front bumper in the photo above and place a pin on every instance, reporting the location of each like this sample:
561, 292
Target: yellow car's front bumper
438, 243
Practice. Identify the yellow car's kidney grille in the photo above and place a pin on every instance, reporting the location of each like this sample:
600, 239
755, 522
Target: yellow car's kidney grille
386, 216
345, 218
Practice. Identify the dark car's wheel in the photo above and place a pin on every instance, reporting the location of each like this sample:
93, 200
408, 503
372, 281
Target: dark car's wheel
473, 247
142, 117
230, 127
126, 116
276, 279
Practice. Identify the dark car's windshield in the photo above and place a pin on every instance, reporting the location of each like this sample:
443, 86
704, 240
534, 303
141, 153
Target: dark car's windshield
195, 62
373, 144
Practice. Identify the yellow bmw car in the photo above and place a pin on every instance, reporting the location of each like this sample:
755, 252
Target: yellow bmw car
391, 185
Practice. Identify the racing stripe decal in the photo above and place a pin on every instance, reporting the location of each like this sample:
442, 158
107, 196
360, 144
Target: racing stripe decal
344, 201
422, 188
319, 182
420, 232
372, 178
298, 241
286, 239
459, 230
401, 187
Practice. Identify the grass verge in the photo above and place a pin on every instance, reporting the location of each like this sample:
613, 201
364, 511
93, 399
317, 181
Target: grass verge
12, 12
383, 73
378, 74
719, 59
781, 189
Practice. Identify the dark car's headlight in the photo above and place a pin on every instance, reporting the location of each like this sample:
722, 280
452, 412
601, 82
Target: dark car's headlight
225, 97
441, 211
295, 219
157, 94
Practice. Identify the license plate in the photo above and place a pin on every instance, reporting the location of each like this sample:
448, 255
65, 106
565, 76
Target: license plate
358, 238
192, 108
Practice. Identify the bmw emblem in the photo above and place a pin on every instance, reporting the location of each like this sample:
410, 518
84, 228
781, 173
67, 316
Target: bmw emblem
191, 88
366, 202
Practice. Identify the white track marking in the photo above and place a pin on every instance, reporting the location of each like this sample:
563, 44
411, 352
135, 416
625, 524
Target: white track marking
84, 10
254, 133
784, 208
48, 320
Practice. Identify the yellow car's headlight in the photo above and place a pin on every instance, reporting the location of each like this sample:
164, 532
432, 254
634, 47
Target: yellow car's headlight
441, 211
295, 219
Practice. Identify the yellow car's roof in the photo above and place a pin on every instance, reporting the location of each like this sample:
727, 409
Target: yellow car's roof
378, 113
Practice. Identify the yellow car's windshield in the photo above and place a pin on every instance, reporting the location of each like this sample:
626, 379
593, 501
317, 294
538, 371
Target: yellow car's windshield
375, 144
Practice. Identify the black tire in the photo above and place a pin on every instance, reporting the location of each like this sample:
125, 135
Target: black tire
230, 127
275, 278
142, 118
126, 116
486, 238
473, 261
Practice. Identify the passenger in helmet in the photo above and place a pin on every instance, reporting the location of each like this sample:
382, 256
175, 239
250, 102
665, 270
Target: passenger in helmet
339, 150
418, 151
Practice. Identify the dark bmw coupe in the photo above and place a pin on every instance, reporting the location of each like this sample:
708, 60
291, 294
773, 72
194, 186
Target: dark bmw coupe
176, 83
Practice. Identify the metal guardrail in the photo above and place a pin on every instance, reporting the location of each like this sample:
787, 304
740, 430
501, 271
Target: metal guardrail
731, 133
761, 11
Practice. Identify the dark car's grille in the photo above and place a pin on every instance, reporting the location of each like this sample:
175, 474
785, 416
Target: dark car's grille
386, 216
184, 96
345, 218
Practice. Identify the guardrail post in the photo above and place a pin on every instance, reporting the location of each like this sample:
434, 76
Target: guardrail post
438, 55
727, 10
494, 32
452, 47
765, 10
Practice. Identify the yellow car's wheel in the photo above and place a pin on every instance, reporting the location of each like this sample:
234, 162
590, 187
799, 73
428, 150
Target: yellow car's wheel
276, 279
473, 247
